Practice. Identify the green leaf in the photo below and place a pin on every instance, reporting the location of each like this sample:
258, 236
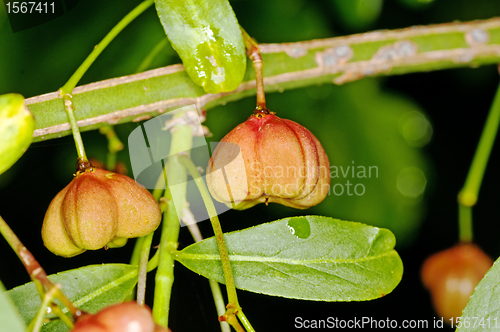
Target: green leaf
208, 39
482, 312
9, 316
310, 258
16, 129
90, 288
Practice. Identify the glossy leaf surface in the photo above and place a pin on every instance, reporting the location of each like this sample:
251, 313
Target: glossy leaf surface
90, 288
16, 129
311, 258
208, 39
9, 315
482, 313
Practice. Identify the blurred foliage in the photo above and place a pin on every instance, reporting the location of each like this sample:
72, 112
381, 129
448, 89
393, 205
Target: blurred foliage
357, 15
375, 122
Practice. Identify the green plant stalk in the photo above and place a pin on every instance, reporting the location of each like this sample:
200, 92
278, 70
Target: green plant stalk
233, 306
75, 78
143, 264
153, 262
181, 141
165, 274
35, 271
135, 260
253, 52
66, 90
219, 303
69, 108
38, 320
467, 197
465, 232
157, 193
136, 254
288, 66
214, 286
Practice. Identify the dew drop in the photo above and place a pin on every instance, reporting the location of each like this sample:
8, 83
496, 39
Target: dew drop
299, 227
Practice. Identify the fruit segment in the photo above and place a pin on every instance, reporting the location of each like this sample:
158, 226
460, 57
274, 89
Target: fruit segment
451, 276
267, 159
97, 209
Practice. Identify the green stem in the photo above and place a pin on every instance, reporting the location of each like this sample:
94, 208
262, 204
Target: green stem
165, 274
38, 320
136, 254
465, 233
244, 320
288, 66
219, 303
143, 263
181, 141
214, 286
233, 306
219, 235
467, 197
67, 89
253, 52
33, 267
157, 193
135, 260
75, 78
153, 262
69, 108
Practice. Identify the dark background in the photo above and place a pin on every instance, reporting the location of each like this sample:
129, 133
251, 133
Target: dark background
40, 60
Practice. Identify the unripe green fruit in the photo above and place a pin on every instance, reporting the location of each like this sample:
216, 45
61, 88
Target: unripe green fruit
16, 129
124, 317
451, 276
98, 208
282, 162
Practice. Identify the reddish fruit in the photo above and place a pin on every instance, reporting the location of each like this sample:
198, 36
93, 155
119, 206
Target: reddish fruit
282, 162
451, 276
98, 208
124, 317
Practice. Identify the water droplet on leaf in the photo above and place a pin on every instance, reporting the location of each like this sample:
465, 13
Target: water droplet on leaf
299, 227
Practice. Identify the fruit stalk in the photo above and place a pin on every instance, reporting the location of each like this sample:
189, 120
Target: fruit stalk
69, 108
233, 307
467, 197
143, 263
66, 90
33, 268
253, 52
